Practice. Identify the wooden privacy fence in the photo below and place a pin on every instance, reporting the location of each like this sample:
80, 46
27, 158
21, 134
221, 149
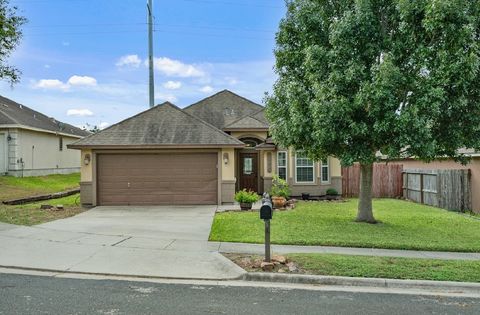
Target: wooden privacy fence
447, 189
387, 181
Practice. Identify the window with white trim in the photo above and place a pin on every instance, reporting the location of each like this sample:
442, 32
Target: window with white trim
282, 164
325, 171
304, 169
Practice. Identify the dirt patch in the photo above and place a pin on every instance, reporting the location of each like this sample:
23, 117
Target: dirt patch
255, 263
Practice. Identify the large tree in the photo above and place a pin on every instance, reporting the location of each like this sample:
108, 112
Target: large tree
10, 35
359, 77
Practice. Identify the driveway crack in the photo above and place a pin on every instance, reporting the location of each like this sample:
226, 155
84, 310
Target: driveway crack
121, 241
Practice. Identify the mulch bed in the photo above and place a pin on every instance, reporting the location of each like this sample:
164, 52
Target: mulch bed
253, 263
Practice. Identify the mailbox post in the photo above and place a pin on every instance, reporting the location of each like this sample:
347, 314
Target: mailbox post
266, 214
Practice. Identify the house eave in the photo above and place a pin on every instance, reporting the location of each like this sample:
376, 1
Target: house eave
158, 146
245, 129
40, 130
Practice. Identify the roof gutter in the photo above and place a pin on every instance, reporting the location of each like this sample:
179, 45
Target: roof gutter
41, 130
158, 146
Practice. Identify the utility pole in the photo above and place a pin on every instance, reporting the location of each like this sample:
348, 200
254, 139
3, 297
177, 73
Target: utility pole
150, 54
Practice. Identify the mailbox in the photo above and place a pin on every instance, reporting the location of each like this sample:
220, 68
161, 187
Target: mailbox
266, 210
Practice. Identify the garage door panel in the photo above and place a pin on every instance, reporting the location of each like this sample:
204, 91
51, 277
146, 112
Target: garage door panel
150, 179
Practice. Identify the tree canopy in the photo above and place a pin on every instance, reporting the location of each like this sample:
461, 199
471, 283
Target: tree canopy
10, 35
360, 76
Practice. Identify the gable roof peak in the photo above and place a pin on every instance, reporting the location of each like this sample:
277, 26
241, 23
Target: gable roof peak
223, 108
162, 125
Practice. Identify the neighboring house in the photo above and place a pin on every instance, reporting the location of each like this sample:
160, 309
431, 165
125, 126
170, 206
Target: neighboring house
201, 154
450, 164
32, 144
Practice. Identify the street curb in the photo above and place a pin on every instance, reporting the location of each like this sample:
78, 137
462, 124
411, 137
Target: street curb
102, 274
364, 282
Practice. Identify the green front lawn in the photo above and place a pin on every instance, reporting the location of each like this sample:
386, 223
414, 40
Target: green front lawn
405, 225
31, 214
15, 187
368, 267
386, 267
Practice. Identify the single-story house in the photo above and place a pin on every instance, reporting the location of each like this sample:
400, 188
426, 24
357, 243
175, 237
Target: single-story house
450, 164
201, 154
32, 144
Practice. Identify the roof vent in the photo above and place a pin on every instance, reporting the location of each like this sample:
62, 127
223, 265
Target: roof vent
229, 112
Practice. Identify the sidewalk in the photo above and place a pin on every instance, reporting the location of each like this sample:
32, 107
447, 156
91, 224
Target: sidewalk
243, 248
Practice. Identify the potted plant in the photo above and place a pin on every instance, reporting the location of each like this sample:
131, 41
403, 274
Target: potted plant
246, 198
332, 194
280, 192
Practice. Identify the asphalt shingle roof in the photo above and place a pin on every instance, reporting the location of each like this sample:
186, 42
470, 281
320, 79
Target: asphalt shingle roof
13, 113
247, 122
164, 124
223, 108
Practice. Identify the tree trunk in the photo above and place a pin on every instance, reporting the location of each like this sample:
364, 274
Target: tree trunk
365, 211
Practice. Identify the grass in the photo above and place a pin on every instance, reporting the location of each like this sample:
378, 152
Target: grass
387, 267
30, 214
405, 225
14, 187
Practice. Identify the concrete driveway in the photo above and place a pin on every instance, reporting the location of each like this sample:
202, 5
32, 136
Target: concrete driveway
162, 241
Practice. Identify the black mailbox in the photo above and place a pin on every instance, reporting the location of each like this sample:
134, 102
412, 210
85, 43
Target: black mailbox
266, 211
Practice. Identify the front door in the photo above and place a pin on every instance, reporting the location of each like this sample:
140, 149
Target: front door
249, 171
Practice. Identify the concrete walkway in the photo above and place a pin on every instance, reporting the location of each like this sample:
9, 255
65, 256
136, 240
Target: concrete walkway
259, 249
166, 242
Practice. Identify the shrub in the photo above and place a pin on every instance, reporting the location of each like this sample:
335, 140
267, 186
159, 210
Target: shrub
246, 196
280, 188
332, 191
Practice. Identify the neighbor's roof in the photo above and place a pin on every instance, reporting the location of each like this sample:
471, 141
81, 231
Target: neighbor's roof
248, 122
15, 115
161, 126
223, 108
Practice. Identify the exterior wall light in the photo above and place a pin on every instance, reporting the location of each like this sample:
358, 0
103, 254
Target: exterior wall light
226, 158
87, 159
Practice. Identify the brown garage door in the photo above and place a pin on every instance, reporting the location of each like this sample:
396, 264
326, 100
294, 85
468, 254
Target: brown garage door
157, 179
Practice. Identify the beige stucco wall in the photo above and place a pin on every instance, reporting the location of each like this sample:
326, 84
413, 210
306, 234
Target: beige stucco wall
228, 170
474, 166
86, 171
40, 154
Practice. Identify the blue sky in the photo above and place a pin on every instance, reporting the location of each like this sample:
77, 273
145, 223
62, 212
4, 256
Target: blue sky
83, 61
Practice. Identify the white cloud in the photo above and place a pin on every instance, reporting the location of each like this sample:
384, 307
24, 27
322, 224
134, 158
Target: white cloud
82, 81
231, 80
103, 125
54, 84
46, 66
172, 85
175, 68
79, 112
129, 61
206, 89
51, 84
64, 43
166, 97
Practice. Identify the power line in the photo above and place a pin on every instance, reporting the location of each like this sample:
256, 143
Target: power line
196, 34
218, 28
221, 2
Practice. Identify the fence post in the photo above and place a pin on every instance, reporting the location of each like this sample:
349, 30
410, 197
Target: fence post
421, 189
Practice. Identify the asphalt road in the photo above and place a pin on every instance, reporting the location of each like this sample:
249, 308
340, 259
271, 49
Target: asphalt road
20, 294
